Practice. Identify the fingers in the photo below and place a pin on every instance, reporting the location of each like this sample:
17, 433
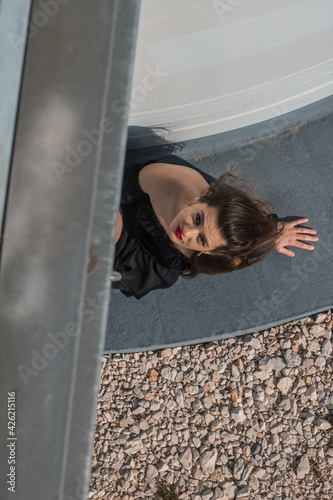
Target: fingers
306, 237
294, 223
292, 234
296, 237
305, 246
300, 221
293, 242
286, 251
304, 230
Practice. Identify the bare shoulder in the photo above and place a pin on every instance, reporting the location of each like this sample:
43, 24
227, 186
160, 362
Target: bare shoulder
163, 175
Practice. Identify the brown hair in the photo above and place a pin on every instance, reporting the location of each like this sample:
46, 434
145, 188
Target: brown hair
246, 223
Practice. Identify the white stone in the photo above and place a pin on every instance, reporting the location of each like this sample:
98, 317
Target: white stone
207, 461
151, 471
238, 415
169, 373
322, 424
303, 467
285, 344
311, 393
229, 489
247, 471
320, 362
317, 331
228, 437
261, 474
269, 364
282, 464
207, 494
243, 493
133, 446
284, 385
292, 358
320, 318
179, 398
255, 343
196, 442
288, 438
254, 483
208, 402
219, 495
277, 429
277, 364
262, 375
326, 348
314, 346
186, 459
162, 467
238, 468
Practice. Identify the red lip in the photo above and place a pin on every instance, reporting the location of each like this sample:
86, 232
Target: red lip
179, 233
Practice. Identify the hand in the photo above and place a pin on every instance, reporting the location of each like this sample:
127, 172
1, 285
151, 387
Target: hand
292, 235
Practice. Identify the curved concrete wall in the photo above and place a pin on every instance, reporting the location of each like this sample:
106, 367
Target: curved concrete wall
208, 66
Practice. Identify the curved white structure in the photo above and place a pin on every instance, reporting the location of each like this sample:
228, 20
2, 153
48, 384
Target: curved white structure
208, 66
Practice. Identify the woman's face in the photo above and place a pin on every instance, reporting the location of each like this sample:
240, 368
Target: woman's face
195, 228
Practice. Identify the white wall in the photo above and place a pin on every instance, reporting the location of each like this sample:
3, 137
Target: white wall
209, 66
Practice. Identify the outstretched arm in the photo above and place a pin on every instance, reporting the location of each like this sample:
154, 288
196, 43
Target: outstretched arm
294, 236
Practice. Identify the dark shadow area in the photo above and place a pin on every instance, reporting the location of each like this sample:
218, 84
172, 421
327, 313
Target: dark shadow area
144, 143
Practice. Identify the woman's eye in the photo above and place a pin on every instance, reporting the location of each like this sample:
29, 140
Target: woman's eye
198, 219
201, 240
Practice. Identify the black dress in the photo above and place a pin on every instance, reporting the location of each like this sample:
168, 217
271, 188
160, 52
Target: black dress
144, 254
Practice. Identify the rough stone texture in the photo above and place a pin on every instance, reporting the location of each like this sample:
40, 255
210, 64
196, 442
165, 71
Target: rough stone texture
186, 459
240, 418
238, 415
229, 489
207, 494
238, 468
326, 348
268, 364
207, 462
284, 385
292, 358
303, 467
243, 493
151, 471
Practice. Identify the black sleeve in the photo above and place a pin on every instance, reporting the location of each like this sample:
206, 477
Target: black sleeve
141, 274
131, 191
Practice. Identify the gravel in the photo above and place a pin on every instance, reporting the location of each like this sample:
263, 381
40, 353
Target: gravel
243, 418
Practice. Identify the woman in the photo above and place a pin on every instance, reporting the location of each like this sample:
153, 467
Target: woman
177, 220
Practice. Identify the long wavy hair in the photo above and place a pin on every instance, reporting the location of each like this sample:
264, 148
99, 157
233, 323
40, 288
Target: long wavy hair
246, 223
